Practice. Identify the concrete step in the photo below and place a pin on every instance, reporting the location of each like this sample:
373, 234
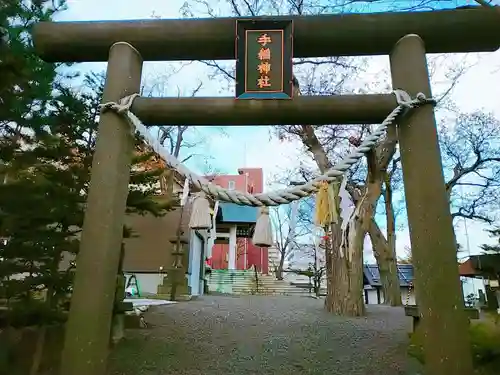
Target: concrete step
251, 288
178, 297
243, 282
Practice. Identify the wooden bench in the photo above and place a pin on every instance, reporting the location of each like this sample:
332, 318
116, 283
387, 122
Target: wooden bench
412, 310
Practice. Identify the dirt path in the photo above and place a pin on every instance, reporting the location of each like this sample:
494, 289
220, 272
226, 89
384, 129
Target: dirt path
265, 335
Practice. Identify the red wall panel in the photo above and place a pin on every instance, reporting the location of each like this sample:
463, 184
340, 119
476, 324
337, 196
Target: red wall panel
254, 256
247, 254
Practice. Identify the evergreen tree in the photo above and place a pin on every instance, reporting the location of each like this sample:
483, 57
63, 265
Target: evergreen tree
47, 139
42, 208
26, 85
495, 233
25, 80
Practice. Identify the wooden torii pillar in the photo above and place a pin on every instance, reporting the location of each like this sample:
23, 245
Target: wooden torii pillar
433, 244
434, 249
89, 324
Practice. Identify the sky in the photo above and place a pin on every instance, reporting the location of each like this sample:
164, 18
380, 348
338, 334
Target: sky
253, 146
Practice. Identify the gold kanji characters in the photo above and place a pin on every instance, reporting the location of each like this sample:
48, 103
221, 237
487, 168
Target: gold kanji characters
264, 39
264, 81
264, 55
264, 67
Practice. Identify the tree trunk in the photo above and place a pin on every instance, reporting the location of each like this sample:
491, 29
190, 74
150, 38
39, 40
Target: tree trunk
51, 303
317, 275
344, 267
316, 286
389, 275
319, 278
386, 261
389, 215
365, 209
344, 278
167, 183
279, 269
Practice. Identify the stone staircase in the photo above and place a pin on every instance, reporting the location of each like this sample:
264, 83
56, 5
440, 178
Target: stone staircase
268, 285
244, 282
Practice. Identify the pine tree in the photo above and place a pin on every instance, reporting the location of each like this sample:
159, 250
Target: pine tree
47, 139
43, 206
495, 233
25, 80
26, 85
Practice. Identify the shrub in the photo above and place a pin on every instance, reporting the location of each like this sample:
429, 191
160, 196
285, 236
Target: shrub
32, 313
485, 345
485, 341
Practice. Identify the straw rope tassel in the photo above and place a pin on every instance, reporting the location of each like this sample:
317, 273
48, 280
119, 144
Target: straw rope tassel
263, 234
322, 212
333, 200
326, 205
200, 214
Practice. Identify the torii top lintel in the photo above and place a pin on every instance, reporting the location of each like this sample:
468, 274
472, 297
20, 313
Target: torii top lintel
444, 31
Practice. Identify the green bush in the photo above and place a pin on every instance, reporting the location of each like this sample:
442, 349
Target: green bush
485, 344
485, 341
31, 313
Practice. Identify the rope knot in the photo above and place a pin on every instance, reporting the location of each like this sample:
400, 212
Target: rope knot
264, 210
402, 97
107, 106
405, 100
421, 97
120, 108
425, 100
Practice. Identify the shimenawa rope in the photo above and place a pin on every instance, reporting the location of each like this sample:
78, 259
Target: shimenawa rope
276, 198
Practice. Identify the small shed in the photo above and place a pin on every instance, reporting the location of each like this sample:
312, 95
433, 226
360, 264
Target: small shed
233, 248
486, 267
373, 287
230, 214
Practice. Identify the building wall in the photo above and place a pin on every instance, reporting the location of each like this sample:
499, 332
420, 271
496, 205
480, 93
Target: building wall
241, 253
371, 295
195, 269
254, 182
148, 282
257, 256
247, 255
146, 268
150, 248
219, 256
255, 179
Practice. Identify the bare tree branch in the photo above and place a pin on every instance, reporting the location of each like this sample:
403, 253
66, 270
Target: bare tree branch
484, 3
471, 154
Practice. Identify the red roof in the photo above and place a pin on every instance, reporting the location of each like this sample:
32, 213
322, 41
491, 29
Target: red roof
467, 269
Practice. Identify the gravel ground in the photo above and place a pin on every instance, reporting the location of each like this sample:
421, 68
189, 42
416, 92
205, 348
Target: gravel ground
265, 335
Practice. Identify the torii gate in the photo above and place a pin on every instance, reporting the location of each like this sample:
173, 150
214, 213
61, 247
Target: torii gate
405, 37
